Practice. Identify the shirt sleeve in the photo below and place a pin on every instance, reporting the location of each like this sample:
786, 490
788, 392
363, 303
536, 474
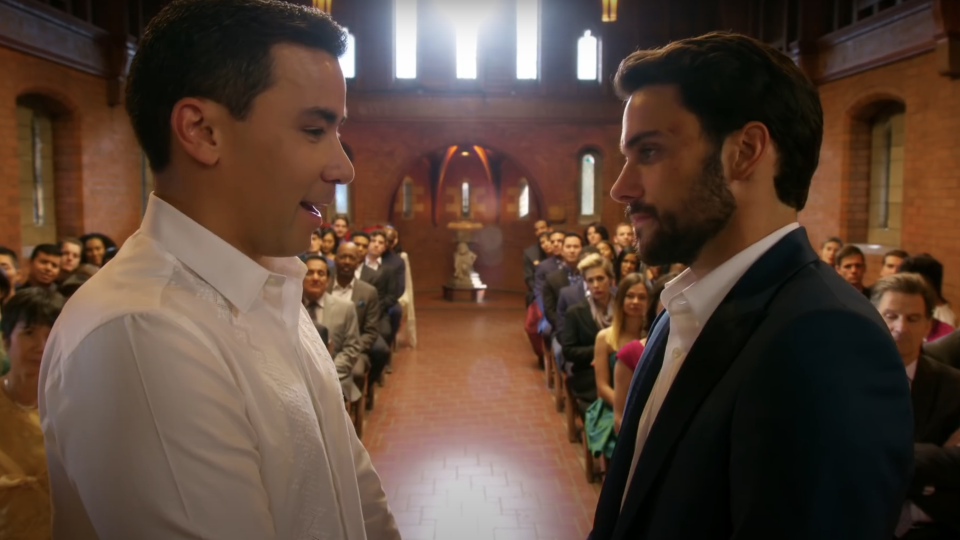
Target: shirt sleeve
149, 431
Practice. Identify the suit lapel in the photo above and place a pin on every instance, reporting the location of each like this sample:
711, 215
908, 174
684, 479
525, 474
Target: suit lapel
718, 345
923, 394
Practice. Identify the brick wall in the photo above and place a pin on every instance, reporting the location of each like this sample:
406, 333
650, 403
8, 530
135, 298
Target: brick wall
96, 157
931, 168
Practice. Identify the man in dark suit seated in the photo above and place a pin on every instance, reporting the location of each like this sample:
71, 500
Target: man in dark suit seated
906, 303
531, 260
566, 275
381, 259
369, 317
532, 255
945, 349
770, 401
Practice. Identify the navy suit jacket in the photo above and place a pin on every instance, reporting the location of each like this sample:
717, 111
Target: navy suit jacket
569, 296
531, 259
790, 418
392, 264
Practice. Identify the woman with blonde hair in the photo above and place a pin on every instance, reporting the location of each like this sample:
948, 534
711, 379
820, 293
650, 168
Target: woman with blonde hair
622, 337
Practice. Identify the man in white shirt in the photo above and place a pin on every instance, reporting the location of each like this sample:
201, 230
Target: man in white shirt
770, 401
185, 393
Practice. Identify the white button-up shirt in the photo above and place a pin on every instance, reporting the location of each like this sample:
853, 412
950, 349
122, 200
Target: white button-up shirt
185, 394
690, 300
375, 263
344, 293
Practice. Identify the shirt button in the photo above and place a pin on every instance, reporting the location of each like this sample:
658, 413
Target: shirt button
677, 353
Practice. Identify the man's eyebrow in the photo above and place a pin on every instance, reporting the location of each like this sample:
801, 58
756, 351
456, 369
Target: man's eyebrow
638, 138
327, 115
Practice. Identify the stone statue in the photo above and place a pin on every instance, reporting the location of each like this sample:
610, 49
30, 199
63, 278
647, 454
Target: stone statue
463, 261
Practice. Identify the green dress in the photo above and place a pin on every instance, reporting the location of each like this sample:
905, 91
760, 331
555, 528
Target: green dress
598, 423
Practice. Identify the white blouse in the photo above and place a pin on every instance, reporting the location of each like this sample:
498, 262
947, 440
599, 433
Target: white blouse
185, 394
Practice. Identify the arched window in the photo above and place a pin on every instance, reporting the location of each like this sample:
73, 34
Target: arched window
528, 39
348, 62
523, 201
406, 194
589, 186
465, 199
466, 50
405, 38
886, 176
38, 223
588, 57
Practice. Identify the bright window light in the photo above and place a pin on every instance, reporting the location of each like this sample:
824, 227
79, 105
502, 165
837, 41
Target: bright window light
342, 199
405, 32
348, 62
528, 38
466, 51
465, 199
524, 200
587, 184
587, 58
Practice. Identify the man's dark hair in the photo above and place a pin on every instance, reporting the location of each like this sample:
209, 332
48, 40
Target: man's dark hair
831, 240
31, 306
728, 80
898, 253
547, 234
378, 232
573, 235
4, 250
219, 51
847, 251
315, 257
928, 267
344, 217
46, 249
905, 283
361, 234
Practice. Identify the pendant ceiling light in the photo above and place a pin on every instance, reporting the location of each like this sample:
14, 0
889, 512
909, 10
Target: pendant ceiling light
324, 5
609, 10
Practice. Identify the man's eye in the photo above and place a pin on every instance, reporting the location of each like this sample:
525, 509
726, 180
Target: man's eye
314, 132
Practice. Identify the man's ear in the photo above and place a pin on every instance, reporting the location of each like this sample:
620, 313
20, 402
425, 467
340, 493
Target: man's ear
195, 130
749, 147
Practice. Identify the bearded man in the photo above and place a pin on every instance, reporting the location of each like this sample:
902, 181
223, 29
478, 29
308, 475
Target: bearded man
770, 401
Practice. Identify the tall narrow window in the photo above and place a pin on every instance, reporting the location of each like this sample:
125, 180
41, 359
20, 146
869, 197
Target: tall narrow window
588, 185
342, 199
528, 38
523, 202
348, 62
407, 198
466, 50
405, 35
465, 199
36, 156
588, 57
36, 144
887, 136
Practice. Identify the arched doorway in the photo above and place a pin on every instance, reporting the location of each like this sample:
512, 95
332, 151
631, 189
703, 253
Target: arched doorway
466, 182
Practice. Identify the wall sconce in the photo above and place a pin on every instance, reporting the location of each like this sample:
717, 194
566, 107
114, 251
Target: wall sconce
609, 10
324, 5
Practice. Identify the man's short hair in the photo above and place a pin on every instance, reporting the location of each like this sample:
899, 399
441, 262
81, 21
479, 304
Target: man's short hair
46, 249
595, 260
219, 51
547, 234
70, 240
315, 257
728, 80
361, 234
848, 251
31, 306
344, 217
622, 225
905, 283
378, 232
564, 233
573, 235
4, 250
928, 267
831, 240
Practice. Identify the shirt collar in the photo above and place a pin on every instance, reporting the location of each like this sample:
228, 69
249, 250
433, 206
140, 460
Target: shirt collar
704, 293
234, 275
337, 287
912, 371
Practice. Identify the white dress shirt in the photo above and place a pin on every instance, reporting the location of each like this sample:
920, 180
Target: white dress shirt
345, 293
375, 264
185, 394
690, 300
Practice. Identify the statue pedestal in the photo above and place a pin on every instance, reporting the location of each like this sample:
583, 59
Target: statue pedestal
465, 285
457, 294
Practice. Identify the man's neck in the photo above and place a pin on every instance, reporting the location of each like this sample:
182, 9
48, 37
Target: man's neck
740, 233
371, 258
312, 298
345, 281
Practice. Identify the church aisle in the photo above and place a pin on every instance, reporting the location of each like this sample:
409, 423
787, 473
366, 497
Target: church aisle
466, 438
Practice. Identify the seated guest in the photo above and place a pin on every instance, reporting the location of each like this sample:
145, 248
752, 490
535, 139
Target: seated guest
624, 238
583, 322
548, 266
390, 258
605, 248
9, 264
44, 267
852, 265
568, 274
829, 249
393, 240
328, 243
627, 263
532, 256
371, 322
383, 276
316, 239
339, 317
71, 250
945, 349
362, 241
341, 227
906, 303
594, 233
601, 423
95, 246
931, 270
891, 262
24, 487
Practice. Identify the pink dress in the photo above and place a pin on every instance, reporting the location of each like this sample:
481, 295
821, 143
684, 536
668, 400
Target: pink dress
630, 354
938, 330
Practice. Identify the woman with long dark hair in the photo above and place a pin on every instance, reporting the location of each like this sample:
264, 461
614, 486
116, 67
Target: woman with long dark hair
95, 248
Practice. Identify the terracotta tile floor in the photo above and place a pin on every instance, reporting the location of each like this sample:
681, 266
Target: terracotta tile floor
466, 437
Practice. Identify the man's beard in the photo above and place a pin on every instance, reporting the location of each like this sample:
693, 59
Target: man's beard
681, 234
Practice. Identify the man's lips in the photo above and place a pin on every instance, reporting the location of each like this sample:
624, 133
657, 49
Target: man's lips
640, 218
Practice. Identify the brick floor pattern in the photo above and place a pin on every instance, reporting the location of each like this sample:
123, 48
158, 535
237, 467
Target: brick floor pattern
466, 438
